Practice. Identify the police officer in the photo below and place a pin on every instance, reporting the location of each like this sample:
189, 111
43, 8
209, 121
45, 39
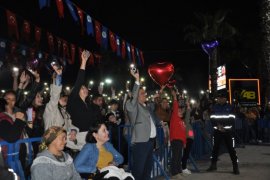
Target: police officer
223, 119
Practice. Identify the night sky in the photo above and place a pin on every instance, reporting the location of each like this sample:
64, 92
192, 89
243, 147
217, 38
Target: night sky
156, 27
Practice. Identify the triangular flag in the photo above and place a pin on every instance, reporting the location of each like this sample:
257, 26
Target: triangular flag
50, 42
73, 50
128, 51
118, 46
133, 53
91, 59
123, 49
26, 31
138, 55
80, 13
12, 24
98, 32
43, 3
60, 8
141, 56
37, 35
104, 40
112, 41
89, 25
71, 10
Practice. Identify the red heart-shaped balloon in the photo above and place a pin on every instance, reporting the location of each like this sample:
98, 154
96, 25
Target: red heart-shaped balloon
161, 72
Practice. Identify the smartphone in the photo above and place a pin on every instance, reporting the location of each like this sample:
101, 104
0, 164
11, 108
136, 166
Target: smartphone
133, 68
54, 63
29, 113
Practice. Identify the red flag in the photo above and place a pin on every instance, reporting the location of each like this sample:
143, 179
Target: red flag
80, 54
13, 46
98, 57
73, 50
123, 49
98, 32
133, 53
91, 59
50, 42
59, 43
142, 58
65, 50
37, 34
113, 41
26, 30
12, 24
80, 13
32, 53
60, 8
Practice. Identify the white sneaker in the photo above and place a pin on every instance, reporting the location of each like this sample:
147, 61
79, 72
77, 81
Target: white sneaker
186, 171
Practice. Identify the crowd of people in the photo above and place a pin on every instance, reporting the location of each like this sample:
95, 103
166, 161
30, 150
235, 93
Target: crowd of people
76, 142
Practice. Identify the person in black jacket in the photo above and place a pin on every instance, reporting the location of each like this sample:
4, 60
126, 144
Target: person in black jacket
83, 115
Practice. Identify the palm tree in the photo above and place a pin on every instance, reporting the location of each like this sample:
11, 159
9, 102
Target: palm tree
209, 28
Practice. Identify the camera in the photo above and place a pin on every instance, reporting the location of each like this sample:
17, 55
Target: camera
55, 63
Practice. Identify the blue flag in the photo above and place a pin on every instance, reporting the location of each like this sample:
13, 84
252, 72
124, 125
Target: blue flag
71, 10
104, 37
128, 51
89, 25
44, 3
118, 46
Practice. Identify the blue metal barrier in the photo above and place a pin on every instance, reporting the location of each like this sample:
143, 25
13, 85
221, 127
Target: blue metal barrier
13, 160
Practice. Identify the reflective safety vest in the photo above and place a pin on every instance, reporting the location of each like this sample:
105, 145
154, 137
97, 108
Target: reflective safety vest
222, 121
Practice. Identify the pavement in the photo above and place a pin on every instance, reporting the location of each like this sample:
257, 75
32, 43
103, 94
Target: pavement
254, 164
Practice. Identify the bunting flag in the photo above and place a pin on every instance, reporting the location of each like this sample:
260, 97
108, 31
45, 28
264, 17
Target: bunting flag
118, 46
23, 50
37, 35
89, 25
66, 50
138, 55
43, 3
60, 8
50, 42
123, 49
141, 56
71, 10
98, 57
80, 13
26, 31
13, 46
91, 59
133, 54
12, 24
32, 53
59, 43
80, 54
128, 51
104, 35
73, 50
98, 32
3, 44
112, 41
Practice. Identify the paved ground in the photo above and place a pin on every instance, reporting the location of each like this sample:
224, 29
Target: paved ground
254, 164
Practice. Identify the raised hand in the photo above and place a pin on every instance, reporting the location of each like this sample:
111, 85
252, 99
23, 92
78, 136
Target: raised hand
57, 69
135, 75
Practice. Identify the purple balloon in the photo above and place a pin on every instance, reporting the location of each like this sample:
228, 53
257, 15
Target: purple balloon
208, 47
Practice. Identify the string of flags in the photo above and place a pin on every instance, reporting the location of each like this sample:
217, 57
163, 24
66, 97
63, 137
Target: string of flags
94, 28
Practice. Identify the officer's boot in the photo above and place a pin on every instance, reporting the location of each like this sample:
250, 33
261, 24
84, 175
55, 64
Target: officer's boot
235, 169
213, 167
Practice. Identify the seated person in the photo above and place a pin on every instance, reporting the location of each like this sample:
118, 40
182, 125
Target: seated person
52, 163
98, 154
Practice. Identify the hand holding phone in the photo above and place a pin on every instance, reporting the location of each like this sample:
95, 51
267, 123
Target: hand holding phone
29, 113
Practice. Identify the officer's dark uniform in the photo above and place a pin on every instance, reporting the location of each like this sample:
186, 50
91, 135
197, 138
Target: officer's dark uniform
223, 119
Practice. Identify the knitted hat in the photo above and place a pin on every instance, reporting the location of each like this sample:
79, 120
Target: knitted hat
49, 136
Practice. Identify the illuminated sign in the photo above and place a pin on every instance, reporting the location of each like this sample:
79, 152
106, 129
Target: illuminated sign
221, 77
245, 91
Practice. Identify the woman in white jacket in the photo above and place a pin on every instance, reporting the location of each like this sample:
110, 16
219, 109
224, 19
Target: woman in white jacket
55, 113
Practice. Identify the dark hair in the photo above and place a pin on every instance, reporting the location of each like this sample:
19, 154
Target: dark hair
113, 101
93, 129
9, 92
95, 96
3, 104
